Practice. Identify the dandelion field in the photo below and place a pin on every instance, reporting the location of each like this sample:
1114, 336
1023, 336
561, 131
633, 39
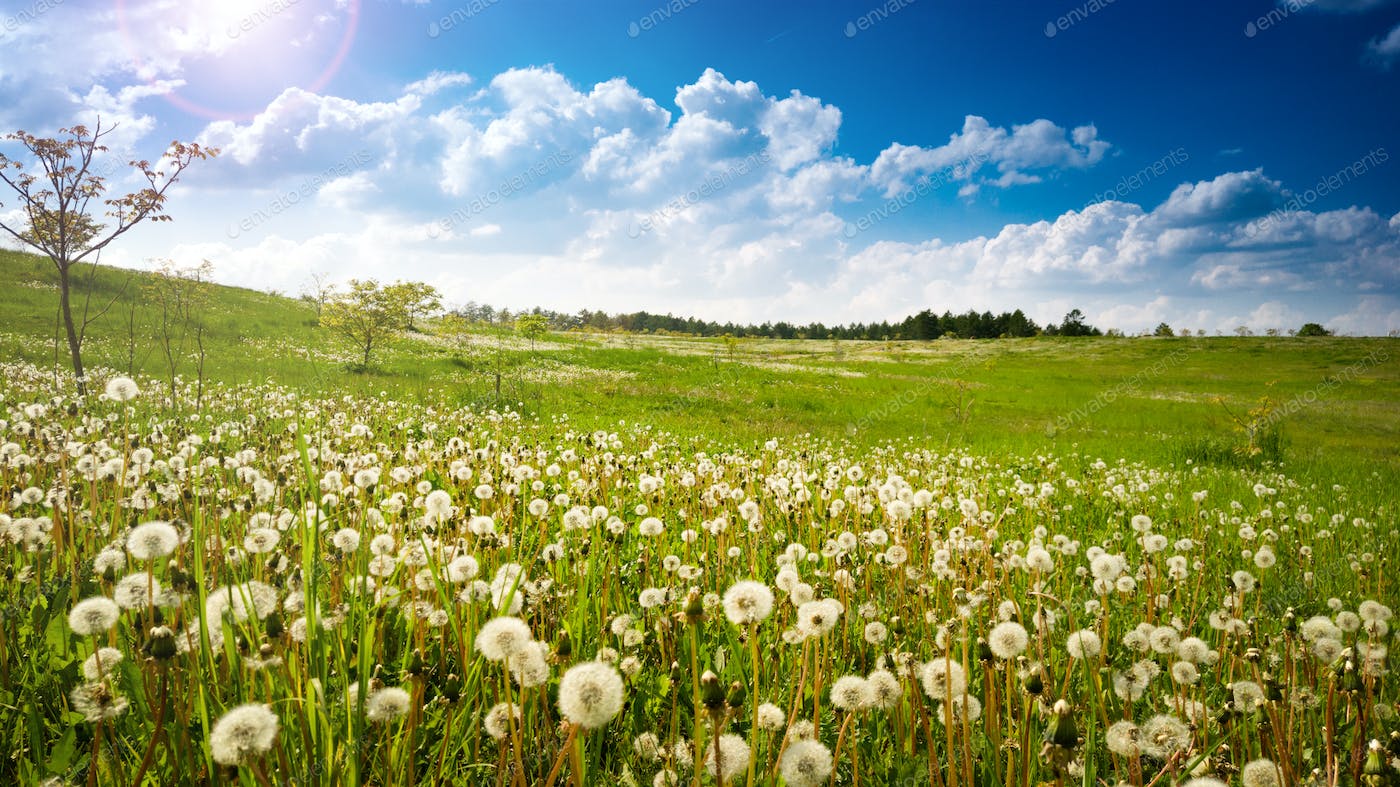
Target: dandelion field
290, 587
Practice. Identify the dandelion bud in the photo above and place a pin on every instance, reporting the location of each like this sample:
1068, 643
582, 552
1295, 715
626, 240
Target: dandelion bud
984, 651
178, 579
694, 609
415, 663
711, 693
563, 647
451, 689
737, 695
896, 626
161, 646
1373, 772
1034, 680
1061, 731
272, 624
1350, 681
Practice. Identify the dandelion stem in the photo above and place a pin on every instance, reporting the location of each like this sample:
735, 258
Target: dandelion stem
563, 754
155, 735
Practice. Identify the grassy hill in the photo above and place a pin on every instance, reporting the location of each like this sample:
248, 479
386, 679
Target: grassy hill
1336, 400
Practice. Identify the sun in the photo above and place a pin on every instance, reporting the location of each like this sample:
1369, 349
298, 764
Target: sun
218, 47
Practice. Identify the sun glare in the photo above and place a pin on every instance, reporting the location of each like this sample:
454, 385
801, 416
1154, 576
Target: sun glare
229, 48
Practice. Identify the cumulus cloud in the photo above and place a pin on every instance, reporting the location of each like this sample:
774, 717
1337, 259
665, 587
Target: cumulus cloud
1018, 155
1231, 197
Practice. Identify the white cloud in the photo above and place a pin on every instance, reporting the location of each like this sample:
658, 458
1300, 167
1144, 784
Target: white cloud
1231, 197
1373, 314
1385, 51
1038, 145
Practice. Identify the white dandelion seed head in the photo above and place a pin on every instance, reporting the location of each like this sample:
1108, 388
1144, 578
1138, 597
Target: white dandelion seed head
101, 663
387, 704
806, 763
498, 722
647, 746
748, 602
851, 693
1008, 640
152, 540
770, 717
942, 678
1084, 644
1261, 773
1164, 735
885, 689
346, 540
121, 389
98, 701
733, 757
93, 616
242, 734
503, 638
137, 591
438, 504
1124, 739
590, 694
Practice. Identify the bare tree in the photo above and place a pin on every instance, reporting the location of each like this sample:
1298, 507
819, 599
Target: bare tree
317, 291
56, 201
181, 295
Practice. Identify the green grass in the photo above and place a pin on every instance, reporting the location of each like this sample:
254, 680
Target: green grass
1017, 394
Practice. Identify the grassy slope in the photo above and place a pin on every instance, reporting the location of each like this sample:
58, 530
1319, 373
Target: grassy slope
1021, 391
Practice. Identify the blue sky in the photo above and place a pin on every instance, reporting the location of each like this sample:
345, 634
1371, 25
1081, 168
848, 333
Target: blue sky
1207, 164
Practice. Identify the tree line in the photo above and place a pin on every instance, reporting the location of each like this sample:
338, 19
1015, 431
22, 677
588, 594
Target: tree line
923, 326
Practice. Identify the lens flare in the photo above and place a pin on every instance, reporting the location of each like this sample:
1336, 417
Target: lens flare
213, 45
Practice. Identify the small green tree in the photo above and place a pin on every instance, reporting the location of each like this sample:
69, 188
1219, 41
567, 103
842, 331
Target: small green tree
456, 329
1163, 330
1313, 329
531, 326
368, 313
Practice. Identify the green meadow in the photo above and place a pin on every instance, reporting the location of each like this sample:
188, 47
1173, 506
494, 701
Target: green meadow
1335, 401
